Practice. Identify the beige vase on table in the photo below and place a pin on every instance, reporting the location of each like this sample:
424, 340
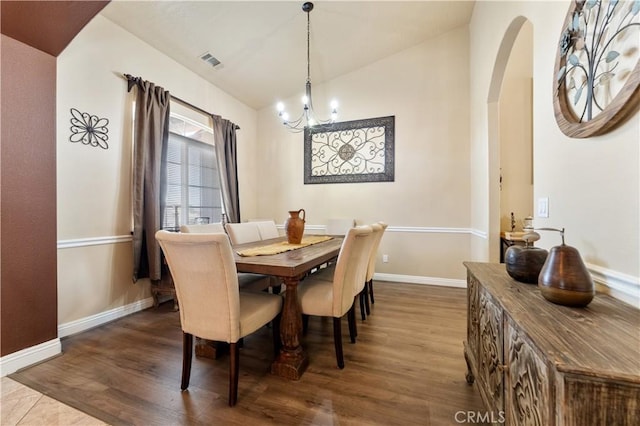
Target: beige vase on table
294, 226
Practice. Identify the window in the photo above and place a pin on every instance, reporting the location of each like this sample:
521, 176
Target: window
193, 188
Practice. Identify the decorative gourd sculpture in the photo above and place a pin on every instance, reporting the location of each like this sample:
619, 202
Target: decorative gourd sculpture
525, 262
564, 278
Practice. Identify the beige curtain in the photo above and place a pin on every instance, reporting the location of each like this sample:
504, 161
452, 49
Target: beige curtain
224, 133
151, 134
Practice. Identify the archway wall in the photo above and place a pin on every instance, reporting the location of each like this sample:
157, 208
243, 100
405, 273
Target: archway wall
592, 184
516, 135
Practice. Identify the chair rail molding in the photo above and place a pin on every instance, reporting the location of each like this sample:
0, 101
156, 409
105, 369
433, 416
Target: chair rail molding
93, 241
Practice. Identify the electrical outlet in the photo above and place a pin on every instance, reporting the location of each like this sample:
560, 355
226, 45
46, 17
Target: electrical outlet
385, 258
543, 207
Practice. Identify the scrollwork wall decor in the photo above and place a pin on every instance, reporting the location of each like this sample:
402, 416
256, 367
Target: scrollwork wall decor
89, 129
597, 70
351, 151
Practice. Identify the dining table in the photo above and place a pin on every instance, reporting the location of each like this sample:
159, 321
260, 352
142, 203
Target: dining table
290, 267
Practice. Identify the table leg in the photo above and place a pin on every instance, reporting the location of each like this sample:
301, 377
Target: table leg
292, 360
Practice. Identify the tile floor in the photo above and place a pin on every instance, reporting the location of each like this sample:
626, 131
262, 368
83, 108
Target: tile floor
24, 406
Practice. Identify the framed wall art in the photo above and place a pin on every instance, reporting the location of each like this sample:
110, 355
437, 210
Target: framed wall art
597, 70
350, 151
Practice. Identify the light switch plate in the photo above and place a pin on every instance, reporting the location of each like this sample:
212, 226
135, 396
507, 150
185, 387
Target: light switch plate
543, 207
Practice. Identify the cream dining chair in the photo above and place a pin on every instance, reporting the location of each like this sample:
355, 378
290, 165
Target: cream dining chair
334, 296
207, 228
362, 289
246, 281
245, 232
371, 269
339, 227
211, 305
267, 229
249, 232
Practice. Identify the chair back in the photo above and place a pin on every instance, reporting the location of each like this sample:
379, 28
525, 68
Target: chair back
207, 228
339, 226
267, 229
240, 233
206, 281
377, 237
350, 268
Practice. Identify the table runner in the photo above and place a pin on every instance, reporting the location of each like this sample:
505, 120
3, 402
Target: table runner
282, 246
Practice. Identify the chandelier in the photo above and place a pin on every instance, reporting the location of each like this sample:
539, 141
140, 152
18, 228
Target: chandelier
308, 117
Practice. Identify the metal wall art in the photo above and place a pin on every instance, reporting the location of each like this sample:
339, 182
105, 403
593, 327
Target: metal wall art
597, 67
349, 152
89, 129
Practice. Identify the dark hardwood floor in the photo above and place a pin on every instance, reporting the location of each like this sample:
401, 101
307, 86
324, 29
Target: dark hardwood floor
407, 368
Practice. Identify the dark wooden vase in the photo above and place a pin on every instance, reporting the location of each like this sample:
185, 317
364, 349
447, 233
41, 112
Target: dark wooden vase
564, 278
525, 263
294, 226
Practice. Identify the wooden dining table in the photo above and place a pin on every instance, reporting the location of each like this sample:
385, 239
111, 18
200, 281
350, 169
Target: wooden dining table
291, 267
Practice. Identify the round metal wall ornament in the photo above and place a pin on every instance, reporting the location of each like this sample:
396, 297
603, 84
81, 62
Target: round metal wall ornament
597, 69
89, 129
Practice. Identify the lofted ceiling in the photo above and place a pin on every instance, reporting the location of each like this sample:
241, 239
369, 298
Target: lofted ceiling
262, 44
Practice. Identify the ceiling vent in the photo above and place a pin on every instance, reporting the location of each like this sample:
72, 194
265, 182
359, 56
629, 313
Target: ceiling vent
210, 59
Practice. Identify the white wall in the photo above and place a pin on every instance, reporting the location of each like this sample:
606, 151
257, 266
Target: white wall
592, 184
426, 88
94, 256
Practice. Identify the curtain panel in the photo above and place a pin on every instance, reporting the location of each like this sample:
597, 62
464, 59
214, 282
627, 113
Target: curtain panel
224, 133
151, 135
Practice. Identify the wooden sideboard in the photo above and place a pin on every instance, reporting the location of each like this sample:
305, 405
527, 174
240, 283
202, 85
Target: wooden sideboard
537, 363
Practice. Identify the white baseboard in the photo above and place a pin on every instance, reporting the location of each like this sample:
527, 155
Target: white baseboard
29, 356
414, 279
621, 286
96, 320
34, 354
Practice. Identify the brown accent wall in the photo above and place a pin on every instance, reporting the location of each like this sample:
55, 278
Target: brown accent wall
33, 34
47, 25
28, 292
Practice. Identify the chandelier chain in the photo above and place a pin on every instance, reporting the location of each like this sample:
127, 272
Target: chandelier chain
308, 49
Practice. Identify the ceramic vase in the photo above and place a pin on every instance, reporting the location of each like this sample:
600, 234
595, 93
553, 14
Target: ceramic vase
294, 226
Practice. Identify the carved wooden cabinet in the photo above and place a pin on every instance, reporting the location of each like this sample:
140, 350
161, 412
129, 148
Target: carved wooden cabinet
536, 363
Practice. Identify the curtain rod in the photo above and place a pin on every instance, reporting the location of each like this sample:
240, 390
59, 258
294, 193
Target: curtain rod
128, 77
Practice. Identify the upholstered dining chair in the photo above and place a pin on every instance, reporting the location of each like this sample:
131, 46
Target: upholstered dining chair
211, 305
248, 232
207, 228
362, 289
267, 229
246, 281
245, 232
334, 296
371, 269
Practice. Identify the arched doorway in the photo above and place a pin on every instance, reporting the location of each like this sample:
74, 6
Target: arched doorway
510, 115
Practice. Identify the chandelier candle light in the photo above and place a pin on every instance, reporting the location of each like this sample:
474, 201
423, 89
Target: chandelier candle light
308, 118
